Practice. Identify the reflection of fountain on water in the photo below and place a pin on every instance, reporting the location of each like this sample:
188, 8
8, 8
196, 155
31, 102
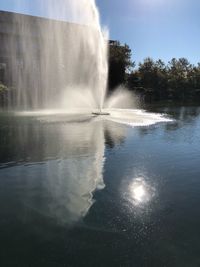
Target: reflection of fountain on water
62, 166
72, 181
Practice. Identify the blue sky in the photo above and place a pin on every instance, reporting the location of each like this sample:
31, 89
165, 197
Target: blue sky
156, 28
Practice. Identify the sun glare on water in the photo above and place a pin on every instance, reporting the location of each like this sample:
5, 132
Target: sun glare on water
140, 191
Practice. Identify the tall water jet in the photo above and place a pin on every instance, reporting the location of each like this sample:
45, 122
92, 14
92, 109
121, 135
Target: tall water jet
56, 64
60, 67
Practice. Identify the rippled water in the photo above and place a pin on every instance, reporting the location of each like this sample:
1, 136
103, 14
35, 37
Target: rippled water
93, 192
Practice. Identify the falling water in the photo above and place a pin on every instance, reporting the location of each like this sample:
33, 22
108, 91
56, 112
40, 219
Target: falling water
62, 67
56, 64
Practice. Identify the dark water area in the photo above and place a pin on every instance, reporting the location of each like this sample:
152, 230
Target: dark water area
99, 193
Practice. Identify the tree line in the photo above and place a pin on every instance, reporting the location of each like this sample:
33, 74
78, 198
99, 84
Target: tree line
154, 79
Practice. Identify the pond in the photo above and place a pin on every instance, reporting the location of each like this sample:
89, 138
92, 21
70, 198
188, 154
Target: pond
100, 193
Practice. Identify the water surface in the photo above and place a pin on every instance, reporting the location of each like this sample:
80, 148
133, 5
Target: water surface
100, 193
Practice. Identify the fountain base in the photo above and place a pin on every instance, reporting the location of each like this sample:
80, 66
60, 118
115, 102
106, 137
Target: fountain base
100, 113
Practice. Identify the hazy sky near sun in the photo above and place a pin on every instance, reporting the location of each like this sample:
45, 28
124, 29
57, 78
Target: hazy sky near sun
156, 28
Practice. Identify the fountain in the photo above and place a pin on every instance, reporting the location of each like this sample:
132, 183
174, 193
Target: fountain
62, 68
55, 159
59, 65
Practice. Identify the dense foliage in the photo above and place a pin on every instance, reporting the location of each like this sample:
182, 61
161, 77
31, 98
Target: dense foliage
120, 64
178, 79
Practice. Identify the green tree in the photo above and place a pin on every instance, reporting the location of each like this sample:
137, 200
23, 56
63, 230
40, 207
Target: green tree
153, 77
120, 63
178, 77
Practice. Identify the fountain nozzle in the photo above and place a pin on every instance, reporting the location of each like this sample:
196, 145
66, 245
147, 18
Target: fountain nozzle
100, 113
